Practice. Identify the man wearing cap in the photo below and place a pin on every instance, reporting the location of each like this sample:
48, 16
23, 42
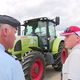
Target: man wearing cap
71, 67
10, 69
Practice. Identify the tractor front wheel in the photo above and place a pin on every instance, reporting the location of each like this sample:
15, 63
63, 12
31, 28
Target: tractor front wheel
34, 66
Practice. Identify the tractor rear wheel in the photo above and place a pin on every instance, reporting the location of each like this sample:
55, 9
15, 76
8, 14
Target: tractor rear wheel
34, 66
60, 57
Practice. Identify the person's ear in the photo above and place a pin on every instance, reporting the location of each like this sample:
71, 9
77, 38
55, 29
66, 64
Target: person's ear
78, 39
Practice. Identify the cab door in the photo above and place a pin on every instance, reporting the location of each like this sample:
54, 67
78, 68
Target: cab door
41, 31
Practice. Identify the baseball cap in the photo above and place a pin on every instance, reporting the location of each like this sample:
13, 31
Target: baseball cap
5, 19
71, 30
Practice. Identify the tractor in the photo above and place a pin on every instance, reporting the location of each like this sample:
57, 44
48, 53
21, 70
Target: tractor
38, 46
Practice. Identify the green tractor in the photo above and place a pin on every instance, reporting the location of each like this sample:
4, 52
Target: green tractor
39, 47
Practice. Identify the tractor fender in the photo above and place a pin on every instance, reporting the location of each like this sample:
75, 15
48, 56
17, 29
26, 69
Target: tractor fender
55, 45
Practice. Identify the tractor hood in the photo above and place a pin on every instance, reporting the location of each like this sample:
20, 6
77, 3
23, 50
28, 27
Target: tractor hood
23, 43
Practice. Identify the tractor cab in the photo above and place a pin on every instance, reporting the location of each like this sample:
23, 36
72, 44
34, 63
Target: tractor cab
43, 28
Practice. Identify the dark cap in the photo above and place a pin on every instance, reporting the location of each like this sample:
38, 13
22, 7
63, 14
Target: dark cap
4, 19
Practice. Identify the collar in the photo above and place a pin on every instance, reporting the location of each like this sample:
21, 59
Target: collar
77, 46
2, 47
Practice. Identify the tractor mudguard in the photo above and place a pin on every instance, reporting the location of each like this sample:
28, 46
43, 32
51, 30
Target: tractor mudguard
55, 45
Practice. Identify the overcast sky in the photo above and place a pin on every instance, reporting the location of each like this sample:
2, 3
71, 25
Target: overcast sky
68, 10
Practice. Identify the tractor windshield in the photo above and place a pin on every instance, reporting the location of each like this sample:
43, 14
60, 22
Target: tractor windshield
38, 28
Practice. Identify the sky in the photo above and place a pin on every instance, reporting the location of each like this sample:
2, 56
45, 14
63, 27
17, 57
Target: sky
67, 10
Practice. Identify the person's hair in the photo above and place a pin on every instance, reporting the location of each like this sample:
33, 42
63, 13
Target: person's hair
0, 25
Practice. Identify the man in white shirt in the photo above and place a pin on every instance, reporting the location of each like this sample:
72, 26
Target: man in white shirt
71, 67
10, 69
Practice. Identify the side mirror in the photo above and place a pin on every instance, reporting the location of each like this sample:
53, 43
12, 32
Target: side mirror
57, 20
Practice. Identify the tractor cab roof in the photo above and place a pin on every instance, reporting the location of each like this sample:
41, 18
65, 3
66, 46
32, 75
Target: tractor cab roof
56, 21
39, 19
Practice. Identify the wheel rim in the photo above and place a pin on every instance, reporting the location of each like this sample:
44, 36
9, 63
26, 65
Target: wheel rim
64, 55
37, 69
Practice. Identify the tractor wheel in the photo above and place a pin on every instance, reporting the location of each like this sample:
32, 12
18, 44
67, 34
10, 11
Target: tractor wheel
34, 66
60, 57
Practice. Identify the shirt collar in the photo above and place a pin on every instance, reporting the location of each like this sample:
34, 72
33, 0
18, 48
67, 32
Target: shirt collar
2, 47
77, 46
